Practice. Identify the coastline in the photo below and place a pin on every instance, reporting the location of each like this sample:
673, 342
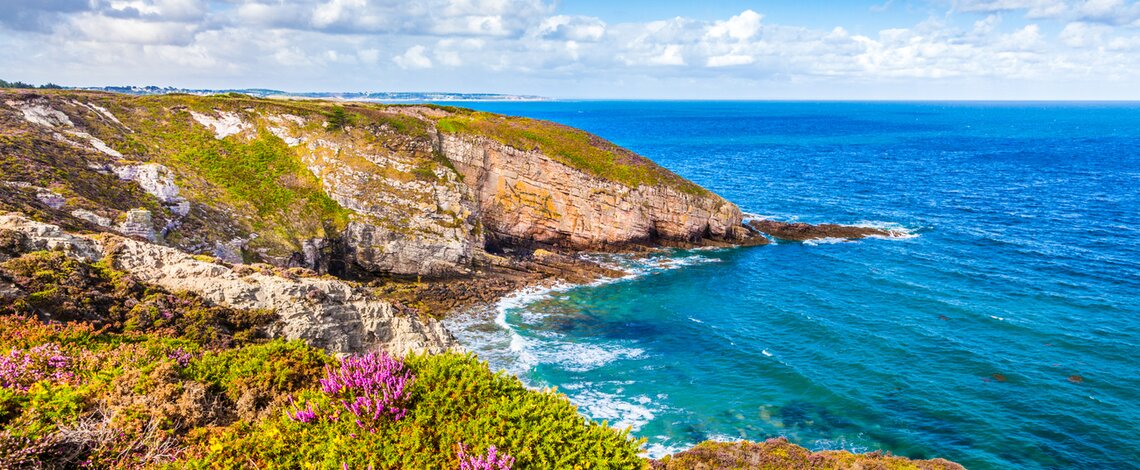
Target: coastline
516, 356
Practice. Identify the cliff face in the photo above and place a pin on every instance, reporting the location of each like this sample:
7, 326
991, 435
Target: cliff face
328, 313
396, 190
525, 195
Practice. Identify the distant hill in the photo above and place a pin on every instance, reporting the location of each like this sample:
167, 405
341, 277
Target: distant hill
387, 96
350, 96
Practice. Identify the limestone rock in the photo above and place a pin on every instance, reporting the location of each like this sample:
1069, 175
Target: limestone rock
158, 181
38, 236
527, 195
138, 223
91, 217
328, 313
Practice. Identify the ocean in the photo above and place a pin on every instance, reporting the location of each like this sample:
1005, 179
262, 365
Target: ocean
1002, 332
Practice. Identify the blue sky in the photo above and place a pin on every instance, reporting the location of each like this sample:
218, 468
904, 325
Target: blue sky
639, 49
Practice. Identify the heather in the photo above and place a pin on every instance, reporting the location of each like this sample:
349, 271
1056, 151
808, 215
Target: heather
76, 395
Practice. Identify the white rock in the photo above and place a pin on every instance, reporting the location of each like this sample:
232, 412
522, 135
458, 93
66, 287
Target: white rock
42, 114
103, 147
91, 217
226, 124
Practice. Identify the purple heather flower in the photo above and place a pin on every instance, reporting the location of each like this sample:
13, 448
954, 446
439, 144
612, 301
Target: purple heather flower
371, 387
22, 368
494, 460
306, 415
180, 356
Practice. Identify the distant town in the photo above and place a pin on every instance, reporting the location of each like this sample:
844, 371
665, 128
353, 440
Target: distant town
267, 93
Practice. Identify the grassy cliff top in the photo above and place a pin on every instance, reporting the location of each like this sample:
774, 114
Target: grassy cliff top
570, 146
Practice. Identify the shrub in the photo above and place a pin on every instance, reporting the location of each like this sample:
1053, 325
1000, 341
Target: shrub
337, 118
22, 368
454, 399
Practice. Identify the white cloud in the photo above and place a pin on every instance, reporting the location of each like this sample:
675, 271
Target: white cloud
740, 27
413, 58
527, 46
670, 55
1081, 34
729, 60
1033, 8
573, 28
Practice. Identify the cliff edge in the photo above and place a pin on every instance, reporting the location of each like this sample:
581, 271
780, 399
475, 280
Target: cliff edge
342, 188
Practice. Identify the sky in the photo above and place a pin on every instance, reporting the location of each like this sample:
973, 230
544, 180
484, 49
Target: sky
589, 49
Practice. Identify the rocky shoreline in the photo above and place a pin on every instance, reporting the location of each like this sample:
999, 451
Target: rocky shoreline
265, 220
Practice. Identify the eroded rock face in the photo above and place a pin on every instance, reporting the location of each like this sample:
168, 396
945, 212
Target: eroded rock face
328, 313
526, 195
390, 193
408, 217
779, 453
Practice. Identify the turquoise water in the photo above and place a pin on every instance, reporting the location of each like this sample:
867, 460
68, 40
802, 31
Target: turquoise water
1022, 271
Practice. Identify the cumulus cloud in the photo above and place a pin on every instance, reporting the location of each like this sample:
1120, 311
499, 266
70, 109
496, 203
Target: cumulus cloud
1084, 34
572, 28
413, 58
741, 27
386, 44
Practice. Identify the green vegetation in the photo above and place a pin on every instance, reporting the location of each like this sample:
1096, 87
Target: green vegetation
568, 145
337, 118
455, 399
143, 378
262, 173
65, 289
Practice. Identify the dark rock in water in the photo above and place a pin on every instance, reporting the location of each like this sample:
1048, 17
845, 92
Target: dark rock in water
801, 232
779, 453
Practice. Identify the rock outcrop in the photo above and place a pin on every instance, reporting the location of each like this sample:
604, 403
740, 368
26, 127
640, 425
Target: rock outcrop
799, 231
526, 195
327, 313
778, 453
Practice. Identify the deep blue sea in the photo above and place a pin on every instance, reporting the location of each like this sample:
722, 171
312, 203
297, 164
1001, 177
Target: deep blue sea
1003, 333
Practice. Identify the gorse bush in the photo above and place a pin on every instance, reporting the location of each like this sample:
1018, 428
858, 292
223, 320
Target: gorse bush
73, 395
454, 402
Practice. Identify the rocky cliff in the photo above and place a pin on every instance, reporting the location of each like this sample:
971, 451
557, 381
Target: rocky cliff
406, 190
328, 313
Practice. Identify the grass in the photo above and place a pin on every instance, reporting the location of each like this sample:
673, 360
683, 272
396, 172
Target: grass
567, 145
